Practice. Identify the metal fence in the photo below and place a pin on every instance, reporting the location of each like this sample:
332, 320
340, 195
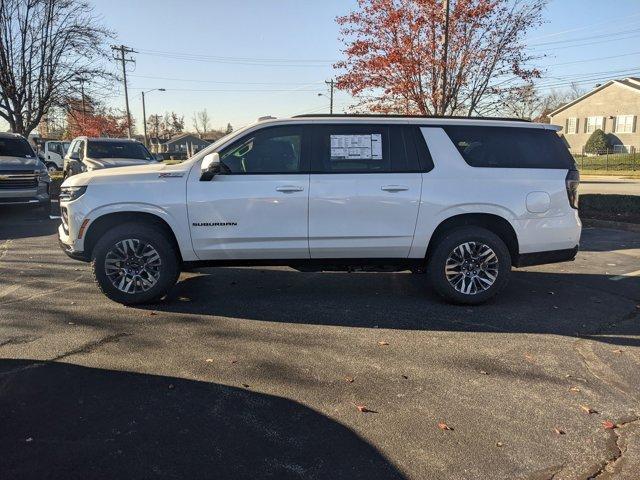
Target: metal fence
609, 160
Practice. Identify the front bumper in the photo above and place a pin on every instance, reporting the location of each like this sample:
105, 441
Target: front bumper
68, 249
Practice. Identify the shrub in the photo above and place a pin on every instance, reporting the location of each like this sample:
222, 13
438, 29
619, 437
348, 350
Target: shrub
597, 143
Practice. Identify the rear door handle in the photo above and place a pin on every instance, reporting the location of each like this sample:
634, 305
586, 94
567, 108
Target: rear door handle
394, 188
289, 188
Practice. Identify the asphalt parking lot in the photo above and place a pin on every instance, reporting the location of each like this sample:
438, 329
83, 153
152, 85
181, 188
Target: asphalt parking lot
258, 372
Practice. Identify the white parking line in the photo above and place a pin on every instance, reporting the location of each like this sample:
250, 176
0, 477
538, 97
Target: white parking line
626, 275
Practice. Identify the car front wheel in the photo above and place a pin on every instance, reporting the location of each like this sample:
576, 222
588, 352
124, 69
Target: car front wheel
469, 265
135, 264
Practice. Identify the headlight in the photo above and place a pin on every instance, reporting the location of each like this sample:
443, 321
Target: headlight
69, 194
43, 175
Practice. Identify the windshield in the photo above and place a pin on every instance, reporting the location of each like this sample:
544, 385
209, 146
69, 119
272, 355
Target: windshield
15, 147
132, 150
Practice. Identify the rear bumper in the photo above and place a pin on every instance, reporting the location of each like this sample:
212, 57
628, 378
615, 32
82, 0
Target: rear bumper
542, 258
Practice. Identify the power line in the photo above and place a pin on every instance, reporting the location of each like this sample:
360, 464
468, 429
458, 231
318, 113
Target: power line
584, 27
586, 60
229, 82
230, 90
590, 37
594, 43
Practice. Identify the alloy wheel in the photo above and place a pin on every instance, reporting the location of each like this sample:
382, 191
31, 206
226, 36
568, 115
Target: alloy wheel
472, 268
132, 266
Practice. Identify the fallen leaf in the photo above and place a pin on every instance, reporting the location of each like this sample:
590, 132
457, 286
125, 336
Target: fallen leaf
529, 357
364, 409
234, 361
574, 389
383, 343
171, 387
618, 350
245, 385
70, 323
444, 426
349, 379
559, 431
209, 360
587, 409
405, 377
498, 444
30, 439
483, 372
152, 313
608, 425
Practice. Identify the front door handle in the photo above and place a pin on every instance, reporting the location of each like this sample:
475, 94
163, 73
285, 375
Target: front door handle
394, 188
289, 188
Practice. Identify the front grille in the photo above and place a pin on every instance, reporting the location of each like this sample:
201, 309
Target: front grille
18, 180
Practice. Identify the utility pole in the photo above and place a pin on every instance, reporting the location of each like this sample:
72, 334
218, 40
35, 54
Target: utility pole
331, 86
122, 51
445, 56
144, 114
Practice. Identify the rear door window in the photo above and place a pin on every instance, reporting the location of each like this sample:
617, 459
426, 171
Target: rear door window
510, 147
354, 148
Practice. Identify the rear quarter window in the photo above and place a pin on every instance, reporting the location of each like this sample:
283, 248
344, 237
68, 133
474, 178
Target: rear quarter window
510, 147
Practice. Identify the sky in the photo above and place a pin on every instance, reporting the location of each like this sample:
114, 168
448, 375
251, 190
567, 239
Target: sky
242, 59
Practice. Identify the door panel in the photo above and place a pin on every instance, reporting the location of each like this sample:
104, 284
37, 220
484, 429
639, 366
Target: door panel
351, 216
249, 216
258, 206
364, 191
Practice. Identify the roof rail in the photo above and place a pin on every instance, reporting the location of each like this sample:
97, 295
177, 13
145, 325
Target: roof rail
380, 115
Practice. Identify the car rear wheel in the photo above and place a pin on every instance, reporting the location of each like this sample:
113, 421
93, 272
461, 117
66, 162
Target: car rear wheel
135, 264
469, 265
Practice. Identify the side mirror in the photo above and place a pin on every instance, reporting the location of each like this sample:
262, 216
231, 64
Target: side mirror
210, 166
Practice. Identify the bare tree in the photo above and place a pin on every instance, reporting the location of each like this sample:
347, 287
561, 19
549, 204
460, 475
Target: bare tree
45, 46
522, 102
201, 122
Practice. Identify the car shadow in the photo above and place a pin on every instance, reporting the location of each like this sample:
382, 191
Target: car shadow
67, 421
22, 222
565, 303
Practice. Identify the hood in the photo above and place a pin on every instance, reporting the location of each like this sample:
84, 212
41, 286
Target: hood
20, 163
114, 162
131, 174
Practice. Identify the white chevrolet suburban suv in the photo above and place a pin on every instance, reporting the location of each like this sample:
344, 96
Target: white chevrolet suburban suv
462, 199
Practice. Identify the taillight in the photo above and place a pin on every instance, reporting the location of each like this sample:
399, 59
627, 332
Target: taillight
572, 182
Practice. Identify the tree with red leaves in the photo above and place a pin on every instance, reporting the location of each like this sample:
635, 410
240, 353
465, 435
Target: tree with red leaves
95, 122
395, 54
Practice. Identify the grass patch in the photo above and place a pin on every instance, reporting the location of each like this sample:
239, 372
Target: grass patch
617, 208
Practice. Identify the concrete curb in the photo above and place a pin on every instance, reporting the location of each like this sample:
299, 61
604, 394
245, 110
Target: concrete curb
592, 222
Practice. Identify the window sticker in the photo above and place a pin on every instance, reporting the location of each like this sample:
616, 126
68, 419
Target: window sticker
356, 147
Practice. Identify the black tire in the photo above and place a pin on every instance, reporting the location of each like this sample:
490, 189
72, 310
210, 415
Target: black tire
447, 243
155, 237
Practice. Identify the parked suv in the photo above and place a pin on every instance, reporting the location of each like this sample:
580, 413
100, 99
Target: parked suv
465, 199
87, 154
24, 179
